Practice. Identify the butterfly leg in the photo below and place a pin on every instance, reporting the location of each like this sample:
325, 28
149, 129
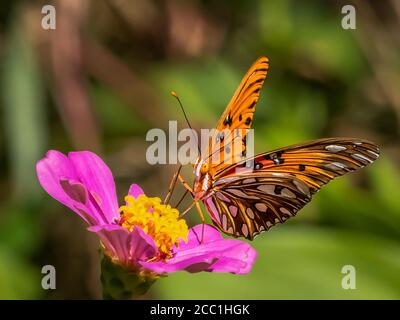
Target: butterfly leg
185, 184
181, 199
203, 221
172, 185
187, 209
189, 188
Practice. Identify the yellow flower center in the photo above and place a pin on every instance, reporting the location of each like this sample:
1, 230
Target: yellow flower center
159, 221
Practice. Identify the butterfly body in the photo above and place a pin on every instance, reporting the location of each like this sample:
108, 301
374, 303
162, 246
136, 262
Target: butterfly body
245, 200
202, 181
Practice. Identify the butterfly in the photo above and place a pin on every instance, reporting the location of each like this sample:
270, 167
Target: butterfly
244, 201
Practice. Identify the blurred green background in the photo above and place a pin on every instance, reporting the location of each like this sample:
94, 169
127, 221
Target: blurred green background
102, 79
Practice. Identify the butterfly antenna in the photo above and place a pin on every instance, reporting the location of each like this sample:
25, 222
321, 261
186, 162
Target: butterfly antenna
173, 93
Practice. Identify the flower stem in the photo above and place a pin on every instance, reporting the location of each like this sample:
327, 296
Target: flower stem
120, 283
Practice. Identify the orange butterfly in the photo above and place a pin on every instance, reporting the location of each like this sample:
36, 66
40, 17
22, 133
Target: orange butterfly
245, 201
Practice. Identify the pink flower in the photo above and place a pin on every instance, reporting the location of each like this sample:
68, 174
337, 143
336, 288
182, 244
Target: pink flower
144, 233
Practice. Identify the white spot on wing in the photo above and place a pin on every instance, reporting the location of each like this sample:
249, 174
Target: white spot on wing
302, 187
261, 207
376, 155
285, 211
222, 197
233, 210
287, 193
360, 157
335, 166
249, 180
224, 222
224, 181
267, 188
241, 194
245, 230
278, 174
250, 213
335, 148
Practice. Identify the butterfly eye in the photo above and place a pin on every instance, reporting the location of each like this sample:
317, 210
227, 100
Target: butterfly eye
204, 168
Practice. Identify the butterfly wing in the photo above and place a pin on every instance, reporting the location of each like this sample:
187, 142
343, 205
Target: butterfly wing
246, 201
238, 115
249, 204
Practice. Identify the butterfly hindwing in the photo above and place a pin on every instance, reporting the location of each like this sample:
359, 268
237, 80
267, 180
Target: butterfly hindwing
282, 182
246, 205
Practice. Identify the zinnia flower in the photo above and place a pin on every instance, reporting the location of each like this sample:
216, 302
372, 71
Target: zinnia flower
144, 237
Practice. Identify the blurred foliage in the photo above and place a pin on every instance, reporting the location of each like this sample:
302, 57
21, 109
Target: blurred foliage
103, 78
298, 262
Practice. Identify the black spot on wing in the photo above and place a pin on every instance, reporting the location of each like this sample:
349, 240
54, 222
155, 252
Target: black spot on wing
228, 121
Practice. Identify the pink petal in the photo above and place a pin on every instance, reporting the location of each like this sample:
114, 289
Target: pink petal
68, 183
135, 191
195, 235
216, 254
58, 178
238, 258
127, 247
98, 179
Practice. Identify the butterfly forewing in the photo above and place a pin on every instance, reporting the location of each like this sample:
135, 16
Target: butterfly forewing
236, 119
246, 201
